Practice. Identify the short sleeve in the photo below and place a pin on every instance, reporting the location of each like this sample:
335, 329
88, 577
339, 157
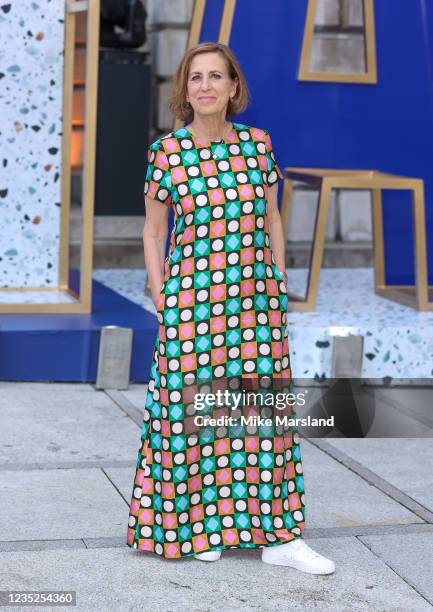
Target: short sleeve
273, 173
157, 185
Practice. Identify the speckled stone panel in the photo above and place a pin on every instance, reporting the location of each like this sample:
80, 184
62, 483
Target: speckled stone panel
31, 91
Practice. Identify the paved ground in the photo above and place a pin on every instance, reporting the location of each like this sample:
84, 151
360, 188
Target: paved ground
67, 459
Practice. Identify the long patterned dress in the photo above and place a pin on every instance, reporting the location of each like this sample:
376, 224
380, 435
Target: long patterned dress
222, 315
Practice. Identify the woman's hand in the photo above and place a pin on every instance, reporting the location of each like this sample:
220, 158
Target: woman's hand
155, 299
285, 278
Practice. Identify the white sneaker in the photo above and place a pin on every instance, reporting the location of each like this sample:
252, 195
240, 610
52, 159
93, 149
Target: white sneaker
299, 555
210, 555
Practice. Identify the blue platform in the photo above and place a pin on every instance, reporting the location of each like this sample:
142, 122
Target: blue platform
65, 347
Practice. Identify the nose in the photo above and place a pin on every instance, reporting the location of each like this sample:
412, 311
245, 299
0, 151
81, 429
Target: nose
205, 84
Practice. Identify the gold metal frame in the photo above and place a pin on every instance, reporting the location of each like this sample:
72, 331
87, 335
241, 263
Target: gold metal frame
84, 298
420, 295
226, 21
197, 22
370, 76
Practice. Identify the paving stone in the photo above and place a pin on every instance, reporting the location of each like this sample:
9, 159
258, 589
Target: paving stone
123, 478
136, 394
416, 402
51, 423
406, 463
125, 579
410, 556
337, 497
60, 504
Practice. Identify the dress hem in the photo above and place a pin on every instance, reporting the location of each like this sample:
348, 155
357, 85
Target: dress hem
215, 548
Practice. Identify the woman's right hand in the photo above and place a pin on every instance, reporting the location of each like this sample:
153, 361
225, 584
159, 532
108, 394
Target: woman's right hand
156, 299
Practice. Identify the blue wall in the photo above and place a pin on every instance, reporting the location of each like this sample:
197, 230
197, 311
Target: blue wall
388, 126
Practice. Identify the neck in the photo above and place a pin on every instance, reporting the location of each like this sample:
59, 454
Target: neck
209, 127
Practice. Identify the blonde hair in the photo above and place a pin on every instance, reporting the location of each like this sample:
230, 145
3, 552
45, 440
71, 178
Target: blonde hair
178, 105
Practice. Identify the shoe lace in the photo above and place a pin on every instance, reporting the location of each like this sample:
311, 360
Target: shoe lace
309, 552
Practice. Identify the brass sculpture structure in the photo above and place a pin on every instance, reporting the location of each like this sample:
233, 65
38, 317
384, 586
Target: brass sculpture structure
420, 295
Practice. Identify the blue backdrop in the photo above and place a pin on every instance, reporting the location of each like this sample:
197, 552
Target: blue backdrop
388, 126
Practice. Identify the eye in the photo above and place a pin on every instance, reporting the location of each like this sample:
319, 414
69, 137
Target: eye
195, 77
216, 76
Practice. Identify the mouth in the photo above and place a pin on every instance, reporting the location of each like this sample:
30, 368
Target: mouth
207, 98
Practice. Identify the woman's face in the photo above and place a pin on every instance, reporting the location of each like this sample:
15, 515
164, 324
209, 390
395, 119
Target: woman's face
209, 84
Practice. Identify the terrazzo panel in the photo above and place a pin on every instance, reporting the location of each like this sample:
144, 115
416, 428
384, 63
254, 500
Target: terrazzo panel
36, 297
398, 340
31, 85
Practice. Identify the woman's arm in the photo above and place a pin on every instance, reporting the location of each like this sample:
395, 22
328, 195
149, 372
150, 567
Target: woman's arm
154, 239
278, 239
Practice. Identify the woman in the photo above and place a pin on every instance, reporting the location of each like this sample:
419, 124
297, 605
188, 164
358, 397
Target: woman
221, 300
